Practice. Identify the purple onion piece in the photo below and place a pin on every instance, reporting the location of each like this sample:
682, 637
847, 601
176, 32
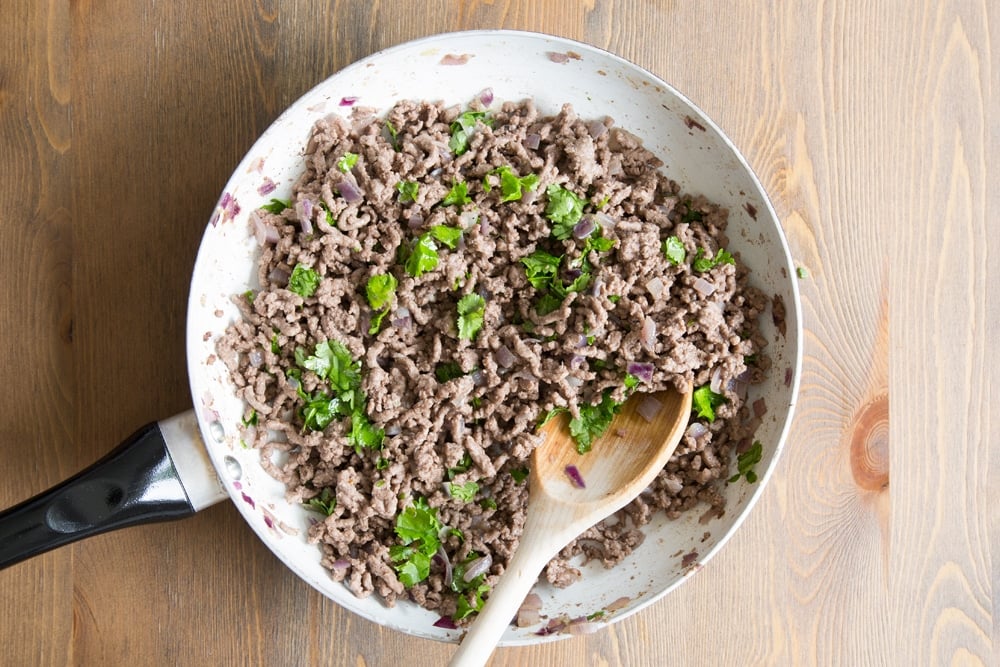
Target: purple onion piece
696, 430
585, 227
716, 384
279, 276
578, 361
574, 273
532, 141
575, 477
267, 187
340, 564
478, 378
446, 623
504, 357
703, 287
655, 287
349, 190
264, 232
484, 226
647, 335
486, 97
649, 407
642, 370
558, 57
256, 358
415, 221
477, 567
442, 558
597, 128
788, 376
348, 101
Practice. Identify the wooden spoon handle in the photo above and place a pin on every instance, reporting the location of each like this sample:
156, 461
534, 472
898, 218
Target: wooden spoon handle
537, 547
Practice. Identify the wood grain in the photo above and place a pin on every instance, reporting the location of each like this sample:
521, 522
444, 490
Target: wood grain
873, 126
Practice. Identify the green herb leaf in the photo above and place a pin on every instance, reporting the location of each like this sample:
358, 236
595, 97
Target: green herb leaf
418, 528
380, 290
448, 371
363, 434
547, 303
511, 186
423, 256
275, 348
488, 504
462, 128
701, 263
466, 607
594, 420
347, 162
746, 461
458, 195
276, 206
597, 243
704, 402
463, 465
631, 381
319, 410
564, 209
447, 235
407, 191
802, 273
541, 268
303, 281
382, 463
324, 503
519, 474
251, 419
464, 492
471, 311
691, 215
673, 249
393, 132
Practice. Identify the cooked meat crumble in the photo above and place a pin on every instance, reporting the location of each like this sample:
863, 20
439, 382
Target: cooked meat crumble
567, 271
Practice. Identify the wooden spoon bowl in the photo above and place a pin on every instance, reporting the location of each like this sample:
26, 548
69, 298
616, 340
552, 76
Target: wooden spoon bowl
619, 466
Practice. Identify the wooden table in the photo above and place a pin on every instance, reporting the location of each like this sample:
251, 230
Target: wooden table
875, 131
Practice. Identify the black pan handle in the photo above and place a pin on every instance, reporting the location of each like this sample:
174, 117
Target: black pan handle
137, 482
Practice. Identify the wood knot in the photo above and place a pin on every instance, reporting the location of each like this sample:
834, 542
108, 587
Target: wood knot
870, 445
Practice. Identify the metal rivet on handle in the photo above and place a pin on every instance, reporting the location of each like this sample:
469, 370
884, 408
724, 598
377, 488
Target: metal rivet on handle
218, 433
233, 467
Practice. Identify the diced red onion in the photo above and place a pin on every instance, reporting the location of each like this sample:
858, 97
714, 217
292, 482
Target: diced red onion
446, 623
531, 141
294, 383
584, 228
401, 318
504, 357
349, 190
595, 291
265, 232
267, 187
605, 220
478, 378
578, 361
532, 601
486, 96
529, 196
525, 375
303, 211
575, 477
584, 627
467, 219
649, 407
759, 408
415, 221
574, 381
703, 287
574, 273
597, 128
477, 567
393, 430
553, 626
279, 276
340, 565
655, 287
528, 617
484, 226
256, 358
640, 369
452, 59
348, 101
558, 57
696, 430
673, 485
647, 335
442, 559
716, 383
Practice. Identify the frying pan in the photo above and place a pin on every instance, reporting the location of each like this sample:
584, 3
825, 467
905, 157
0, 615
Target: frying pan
177, 466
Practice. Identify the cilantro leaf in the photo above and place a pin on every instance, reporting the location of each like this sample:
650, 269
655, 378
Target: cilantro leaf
461, 130
423, 256
597, 243
471, 311
393, 132
418, 528
593, 421
347, 162
318, 411
448, 371
464, 492
363, 434
446, 235
701, 263
380, 289
324, 503
548, 303
705, 401
303, 281
564, 209
458, 195
673, 249
376, 322
276, 206
519, 474
541, 268
275, 348
746, 461
461, 467
407, 191
691, 215
631, 381
465, 607
511, 185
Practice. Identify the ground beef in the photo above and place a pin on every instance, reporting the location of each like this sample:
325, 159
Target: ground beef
348, 223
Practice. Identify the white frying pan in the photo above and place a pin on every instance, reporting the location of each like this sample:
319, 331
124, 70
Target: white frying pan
175, 467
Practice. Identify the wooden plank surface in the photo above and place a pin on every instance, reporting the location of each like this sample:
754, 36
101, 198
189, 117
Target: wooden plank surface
873, 126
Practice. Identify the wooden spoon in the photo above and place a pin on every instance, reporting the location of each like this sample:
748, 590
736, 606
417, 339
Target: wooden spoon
619, 466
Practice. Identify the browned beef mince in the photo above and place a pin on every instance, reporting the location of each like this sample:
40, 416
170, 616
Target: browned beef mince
696, 328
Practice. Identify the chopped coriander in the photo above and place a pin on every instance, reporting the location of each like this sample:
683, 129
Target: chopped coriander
673, 249
275, 206
462, 128
328, 214
614, 298
324, 503
464, 492
458, 195
418, 528
275, 348
447, 235
407, 191
488, 504
471, 312
249, 296
347, 162
604, 202
448, 371
393, 132
511, 186
381, 288
423, 256
519, 474
746, 461
464, 464
750, 359
465, 607
548, 303
382, 463
802, 273
701, 263
251, 419
596, 242
541, 268
691, 215
704, 401
564, 209
303, 281
597, 615
363, 434
593, 421
631, 381
318, 411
